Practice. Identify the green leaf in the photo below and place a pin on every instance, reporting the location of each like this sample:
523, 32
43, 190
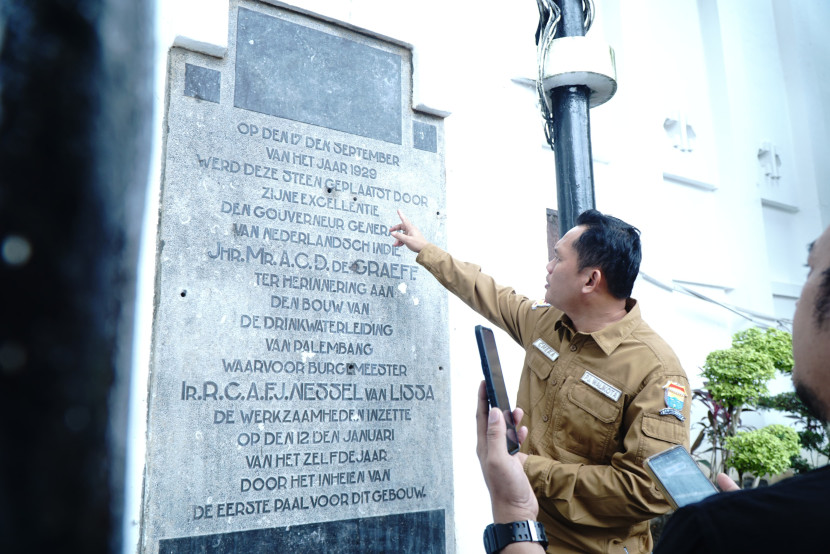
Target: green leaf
698, 441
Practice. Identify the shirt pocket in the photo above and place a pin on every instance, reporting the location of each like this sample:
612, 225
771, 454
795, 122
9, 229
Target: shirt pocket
660, 433
540, 364
540, 370
587, 422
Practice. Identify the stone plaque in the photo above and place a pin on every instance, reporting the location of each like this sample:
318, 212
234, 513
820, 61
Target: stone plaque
299, 390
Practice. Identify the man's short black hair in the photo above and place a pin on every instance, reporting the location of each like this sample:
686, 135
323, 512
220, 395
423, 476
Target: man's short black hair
613, 246
822, 308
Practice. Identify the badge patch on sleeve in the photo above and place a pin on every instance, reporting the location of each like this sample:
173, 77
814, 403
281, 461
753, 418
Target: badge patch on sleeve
675, 396
539, 304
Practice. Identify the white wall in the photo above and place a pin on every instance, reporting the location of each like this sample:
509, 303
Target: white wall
741, 73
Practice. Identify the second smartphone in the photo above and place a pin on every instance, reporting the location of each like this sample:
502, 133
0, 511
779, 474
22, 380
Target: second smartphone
496, 391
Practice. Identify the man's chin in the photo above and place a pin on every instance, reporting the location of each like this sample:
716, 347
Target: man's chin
554, 304
811, 401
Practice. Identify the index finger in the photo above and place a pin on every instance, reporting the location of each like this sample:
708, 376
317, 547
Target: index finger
400, 226
518, 414
404, 220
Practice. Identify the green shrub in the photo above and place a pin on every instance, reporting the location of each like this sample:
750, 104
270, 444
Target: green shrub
766, 451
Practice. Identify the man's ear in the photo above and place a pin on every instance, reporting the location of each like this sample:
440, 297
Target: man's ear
593, 279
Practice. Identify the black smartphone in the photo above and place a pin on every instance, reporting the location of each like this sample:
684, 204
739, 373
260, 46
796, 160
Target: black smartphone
677, 474
496, 391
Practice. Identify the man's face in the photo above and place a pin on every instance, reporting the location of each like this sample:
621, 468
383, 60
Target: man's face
564, 281
811, 335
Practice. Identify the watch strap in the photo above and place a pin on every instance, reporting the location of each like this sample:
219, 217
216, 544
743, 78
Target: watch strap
499, 535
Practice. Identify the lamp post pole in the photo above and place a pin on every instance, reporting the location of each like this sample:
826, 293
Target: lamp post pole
572, 132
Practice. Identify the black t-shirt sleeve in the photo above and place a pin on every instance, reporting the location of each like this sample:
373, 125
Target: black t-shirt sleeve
683, 533
779, 518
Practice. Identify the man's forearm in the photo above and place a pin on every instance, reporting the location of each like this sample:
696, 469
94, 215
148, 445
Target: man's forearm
594, 495
499, 304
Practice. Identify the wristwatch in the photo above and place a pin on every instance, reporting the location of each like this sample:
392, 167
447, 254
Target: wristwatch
499, 535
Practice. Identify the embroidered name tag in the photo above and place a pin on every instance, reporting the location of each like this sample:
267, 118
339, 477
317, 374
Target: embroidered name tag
546, 349
595, 382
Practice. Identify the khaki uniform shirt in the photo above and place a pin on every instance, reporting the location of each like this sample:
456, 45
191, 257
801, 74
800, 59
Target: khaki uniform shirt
596, 405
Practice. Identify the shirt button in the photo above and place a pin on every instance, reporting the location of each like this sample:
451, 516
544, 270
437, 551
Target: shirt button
553, 382
573, 348
545, 419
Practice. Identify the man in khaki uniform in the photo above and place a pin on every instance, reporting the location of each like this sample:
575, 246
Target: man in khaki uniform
601, 391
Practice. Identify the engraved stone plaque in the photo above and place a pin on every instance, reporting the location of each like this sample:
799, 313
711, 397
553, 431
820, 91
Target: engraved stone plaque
299, 392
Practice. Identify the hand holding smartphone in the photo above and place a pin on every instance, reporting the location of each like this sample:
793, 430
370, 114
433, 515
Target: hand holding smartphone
496, 390
679, 477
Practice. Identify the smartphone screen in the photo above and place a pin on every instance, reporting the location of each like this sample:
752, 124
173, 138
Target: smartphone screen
496, 391
679, 476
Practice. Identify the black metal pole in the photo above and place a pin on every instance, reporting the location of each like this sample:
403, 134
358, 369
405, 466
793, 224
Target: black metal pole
76, 97
572, 133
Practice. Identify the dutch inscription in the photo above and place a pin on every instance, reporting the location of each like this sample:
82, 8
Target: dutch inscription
324, 300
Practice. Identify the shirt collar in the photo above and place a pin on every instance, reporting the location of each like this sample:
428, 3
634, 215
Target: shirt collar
610, 337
